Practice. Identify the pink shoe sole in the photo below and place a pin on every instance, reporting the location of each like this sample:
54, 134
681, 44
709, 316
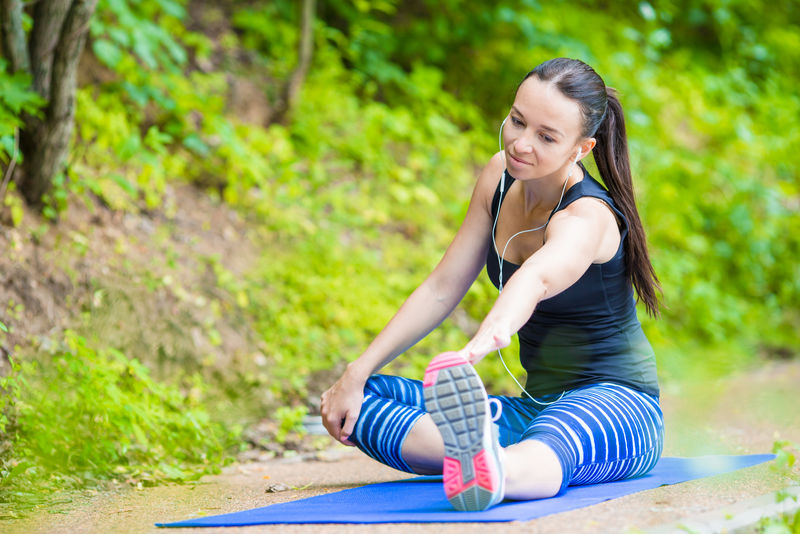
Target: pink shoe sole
455, 398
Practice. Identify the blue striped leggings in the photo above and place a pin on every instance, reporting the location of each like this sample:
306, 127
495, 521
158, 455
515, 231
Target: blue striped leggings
600, 432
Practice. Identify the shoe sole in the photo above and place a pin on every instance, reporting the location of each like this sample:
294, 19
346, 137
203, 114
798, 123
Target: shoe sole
458, 404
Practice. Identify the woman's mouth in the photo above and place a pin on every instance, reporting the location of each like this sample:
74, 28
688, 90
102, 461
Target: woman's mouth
519, 161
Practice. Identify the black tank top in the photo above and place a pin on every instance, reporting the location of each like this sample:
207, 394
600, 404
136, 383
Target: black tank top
588, 333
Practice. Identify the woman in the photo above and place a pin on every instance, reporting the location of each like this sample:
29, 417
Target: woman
565, 254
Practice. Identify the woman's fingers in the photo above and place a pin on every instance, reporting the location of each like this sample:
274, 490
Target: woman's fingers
338, 418
348, 426
333, 424
330, 419
482, 344
501, 342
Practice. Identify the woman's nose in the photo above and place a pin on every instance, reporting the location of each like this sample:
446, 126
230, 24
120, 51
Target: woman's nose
523, 145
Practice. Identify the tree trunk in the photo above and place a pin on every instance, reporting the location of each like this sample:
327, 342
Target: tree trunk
295, 82
55, 45
48, 19
13, 35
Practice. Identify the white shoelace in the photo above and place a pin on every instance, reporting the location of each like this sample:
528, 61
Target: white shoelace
498, 411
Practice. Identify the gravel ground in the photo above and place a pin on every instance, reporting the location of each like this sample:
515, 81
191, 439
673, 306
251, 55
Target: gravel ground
736, 415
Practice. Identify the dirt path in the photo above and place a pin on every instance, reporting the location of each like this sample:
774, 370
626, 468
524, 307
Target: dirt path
739, 414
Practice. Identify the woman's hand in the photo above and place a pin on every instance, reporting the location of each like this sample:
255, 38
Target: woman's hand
340, 406
488, 338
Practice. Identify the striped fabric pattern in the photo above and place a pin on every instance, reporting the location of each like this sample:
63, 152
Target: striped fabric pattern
391, 406
601, 432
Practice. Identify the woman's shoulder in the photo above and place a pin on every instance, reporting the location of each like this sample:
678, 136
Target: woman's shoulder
592, 206
494, 169
489, 178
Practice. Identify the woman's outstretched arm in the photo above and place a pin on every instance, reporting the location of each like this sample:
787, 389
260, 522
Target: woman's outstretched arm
423, 310
583, 233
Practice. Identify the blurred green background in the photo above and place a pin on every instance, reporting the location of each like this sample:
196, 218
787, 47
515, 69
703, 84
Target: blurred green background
345, 201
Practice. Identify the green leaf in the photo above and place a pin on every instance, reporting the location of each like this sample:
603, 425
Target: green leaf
119, 36
143, 48
17, 213
124, 183
140, 435
16, 470
173, 8
107, 52
139, 95
15, 93
195, 144
49, 213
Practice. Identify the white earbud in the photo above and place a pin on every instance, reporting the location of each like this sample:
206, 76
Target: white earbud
572, 167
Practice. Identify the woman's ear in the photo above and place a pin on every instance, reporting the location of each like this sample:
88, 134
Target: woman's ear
585, 147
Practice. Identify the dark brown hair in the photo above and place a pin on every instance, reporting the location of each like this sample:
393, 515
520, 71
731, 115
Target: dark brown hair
603, 119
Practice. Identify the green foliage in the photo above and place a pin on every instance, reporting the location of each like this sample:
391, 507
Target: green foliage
782, 524
270, 29
714, 195
358, 193
290, 420
146, 29
786, 453
9, 389
139, 128
83, 415
16, 98
367, 182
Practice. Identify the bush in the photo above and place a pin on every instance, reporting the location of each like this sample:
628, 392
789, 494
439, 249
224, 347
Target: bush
81, 416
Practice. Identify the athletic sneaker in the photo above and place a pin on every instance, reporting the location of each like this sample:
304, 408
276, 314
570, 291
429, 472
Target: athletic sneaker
473, 473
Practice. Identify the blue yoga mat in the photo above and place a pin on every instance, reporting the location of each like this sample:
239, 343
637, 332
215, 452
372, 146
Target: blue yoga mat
422, 500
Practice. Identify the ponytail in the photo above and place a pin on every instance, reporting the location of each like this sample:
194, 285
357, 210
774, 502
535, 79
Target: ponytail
613, 162
603, 119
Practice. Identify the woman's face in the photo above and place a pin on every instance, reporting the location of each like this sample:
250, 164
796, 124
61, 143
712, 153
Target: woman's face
542, 132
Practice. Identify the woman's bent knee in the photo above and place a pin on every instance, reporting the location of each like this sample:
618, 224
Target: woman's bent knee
423, 448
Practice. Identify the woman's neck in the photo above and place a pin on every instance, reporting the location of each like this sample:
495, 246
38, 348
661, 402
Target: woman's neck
544, 194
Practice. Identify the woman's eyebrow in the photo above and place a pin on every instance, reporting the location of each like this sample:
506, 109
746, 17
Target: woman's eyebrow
542, 126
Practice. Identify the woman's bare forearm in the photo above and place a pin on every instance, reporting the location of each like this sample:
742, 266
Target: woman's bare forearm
444, 288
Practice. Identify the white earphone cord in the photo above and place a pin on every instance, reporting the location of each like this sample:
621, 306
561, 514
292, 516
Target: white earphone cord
501, 257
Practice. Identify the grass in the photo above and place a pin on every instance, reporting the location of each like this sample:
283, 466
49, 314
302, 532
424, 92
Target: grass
80, 417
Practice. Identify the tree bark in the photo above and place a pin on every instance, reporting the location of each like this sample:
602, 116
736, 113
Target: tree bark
48, 19
44, 142
292, 86
14, 35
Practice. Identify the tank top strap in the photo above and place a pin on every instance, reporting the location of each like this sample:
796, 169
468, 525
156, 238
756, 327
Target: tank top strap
590, 187
497, 199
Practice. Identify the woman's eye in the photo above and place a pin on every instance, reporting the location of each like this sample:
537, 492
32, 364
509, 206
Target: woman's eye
547, 138
516, 122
